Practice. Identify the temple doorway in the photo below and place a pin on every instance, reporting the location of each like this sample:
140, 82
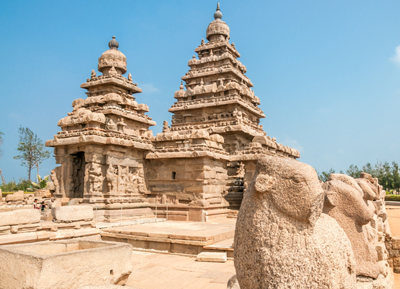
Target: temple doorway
78, 174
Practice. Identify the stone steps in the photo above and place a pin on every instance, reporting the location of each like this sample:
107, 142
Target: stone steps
172, 236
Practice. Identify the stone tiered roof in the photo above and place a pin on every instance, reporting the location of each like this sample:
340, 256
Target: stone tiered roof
110, 113
218, 93
218, 96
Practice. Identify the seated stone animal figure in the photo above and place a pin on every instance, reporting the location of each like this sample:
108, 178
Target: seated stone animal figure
349, 202
282, 238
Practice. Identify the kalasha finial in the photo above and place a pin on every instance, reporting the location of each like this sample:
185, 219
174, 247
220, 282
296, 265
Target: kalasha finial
181, 87
218, 14
113, 44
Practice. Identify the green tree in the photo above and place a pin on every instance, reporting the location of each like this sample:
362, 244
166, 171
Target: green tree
324, 176
32, 150
354, 171
388, 175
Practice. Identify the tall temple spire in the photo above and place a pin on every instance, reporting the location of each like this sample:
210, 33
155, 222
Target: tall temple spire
218, 14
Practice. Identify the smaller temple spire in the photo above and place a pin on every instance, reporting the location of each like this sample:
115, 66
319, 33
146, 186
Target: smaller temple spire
113, 44
218, 14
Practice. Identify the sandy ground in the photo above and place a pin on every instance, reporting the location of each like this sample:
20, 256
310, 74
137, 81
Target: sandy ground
167, 271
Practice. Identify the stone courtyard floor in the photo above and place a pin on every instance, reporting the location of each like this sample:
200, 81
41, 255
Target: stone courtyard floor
168, 271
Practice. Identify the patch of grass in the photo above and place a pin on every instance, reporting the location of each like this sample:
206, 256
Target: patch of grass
395, 198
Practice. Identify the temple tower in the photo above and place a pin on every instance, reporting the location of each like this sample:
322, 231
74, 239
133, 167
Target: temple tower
210, 150
102, 143
218, 95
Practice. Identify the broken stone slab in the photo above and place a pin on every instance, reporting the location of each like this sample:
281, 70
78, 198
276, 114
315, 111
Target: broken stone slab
212, 257
17, 196
43, 265
72, 213
19, 217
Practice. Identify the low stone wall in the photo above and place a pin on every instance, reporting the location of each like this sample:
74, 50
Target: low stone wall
24, 226
64, 264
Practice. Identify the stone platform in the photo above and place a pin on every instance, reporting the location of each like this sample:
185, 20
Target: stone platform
225, 246
173, 237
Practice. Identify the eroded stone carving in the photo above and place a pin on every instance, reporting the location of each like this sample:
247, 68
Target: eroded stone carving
357, 205
282, 238
56, 184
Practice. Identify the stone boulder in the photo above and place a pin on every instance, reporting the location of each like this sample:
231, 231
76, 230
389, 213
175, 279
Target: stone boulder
72, 213
17, 196
43, 193
282, 238
19, 217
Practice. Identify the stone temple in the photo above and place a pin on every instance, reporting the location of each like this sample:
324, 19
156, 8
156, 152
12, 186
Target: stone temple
117, 183
195, 170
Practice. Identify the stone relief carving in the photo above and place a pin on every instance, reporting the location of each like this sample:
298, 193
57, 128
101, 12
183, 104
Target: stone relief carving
95, 179
240, 171
56, 184
111, 178
111, 125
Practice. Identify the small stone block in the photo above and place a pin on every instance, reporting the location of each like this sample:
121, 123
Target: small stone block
212, 257
72, 213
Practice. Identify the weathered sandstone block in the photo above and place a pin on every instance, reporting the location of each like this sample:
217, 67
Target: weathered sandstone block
44, 193
19, 217
17, 196
212, 257
72, 213
282, 239
64, 264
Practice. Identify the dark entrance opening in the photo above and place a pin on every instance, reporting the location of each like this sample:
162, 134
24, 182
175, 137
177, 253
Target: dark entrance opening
78, 174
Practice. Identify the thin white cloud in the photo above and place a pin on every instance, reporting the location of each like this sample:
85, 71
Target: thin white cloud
396, 57
148, 88
14, 116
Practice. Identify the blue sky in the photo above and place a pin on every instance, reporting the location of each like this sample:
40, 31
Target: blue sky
326, 72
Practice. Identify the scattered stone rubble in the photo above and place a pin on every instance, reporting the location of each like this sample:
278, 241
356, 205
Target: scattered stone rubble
23, 226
